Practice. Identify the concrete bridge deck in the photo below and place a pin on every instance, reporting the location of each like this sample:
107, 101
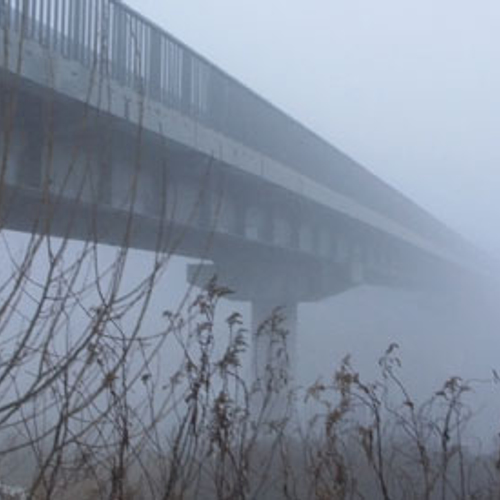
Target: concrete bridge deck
114, 130
110, 58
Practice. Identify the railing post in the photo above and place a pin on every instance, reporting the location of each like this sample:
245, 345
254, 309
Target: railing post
76, 27
48, 24
186, 81
119, 48
3, 14
103, 40
155, 63
216, 104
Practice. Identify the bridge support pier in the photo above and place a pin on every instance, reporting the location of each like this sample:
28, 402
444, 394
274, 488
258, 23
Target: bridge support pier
274, 289
274, 301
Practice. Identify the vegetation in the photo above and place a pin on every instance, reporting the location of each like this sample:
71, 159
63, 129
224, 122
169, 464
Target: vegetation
105, 428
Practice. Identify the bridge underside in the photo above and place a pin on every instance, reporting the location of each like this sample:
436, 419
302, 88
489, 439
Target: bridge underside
72, 170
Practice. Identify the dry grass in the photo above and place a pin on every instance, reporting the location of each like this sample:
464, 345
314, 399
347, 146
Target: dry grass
221, 440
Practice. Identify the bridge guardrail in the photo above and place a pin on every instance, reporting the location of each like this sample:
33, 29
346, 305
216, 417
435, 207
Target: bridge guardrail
139, 54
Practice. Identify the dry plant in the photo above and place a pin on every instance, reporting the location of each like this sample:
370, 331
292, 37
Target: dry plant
373, 440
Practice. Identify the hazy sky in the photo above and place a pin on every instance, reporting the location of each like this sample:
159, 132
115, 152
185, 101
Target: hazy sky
411, 89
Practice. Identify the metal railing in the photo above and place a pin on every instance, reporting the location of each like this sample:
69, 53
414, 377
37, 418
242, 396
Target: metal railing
138, 54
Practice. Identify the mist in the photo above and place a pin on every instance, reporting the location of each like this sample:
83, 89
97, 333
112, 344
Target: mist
410, 90
151, 231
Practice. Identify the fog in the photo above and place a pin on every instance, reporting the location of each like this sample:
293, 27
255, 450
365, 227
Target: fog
407, 89
410, 90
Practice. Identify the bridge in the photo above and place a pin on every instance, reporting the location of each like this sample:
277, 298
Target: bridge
114, 130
